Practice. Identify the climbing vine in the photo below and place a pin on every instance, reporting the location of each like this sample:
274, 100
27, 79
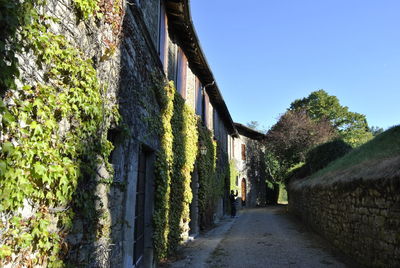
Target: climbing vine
86, 8
185, 151
163, 167
233, 175
209, 189
174, 165
54, 137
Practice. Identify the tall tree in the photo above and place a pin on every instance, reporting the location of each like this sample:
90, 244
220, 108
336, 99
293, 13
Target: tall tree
352, 127
376, 130
253, 125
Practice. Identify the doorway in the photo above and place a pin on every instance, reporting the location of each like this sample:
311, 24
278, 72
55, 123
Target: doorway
244, 191
139, 235
144, 206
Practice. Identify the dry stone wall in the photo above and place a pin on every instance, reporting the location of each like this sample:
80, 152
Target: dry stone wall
360, 217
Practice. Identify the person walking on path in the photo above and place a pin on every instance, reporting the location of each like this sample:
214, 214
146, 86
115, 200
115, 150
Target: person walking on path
232, 198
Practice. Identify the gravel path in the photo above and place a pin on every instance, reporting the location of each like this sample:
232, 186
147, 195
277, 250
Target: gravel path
262, 237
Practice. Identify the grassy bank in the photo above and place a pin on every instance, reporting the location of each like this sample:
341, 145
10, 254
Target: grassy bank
379, 157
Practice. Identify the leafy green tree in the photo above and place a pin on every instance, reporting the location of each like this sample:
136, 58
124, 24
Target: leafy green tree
376, 130
273, 167
351, 126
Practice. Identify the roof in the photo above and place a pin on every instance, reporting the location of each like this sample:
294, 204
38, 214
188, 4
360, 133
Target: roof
182, 32
249, 132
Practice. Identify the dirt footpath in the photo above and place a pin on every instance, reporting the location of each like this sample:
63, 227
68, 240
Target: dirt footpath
261, 237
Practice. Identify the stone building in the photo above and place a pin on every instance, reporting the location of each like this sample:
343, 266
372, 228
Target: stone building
132, 48
159, 40
247, 152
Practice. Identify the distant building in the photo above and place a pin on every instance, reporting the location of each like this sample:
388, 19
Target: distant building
248, 154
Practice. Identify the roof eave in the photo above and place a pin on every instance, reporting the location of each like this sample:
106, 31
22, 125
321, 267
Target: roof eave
184, 34
249, 132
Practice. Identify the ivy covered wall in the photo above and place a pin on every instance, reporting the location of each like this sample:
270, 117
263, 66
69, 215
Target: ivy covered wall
76, 108
182, 135
57, 105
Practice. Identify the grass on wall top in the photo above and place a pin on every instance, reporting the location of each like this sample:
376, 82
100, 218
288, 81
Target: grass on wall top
378, 158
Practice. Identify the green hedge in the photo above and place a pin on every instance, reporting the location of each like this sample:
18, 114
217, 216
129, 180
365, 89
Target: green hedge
320, 156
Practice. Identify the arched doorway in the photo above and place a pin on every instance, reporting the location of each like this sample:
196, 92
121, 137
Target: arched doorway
244, 190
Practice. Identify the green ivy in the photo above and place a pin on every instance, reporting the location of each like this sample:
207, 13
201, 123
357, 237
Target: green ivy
13, 16
87, 8
185, 135
209, 187
233, 173
163, 167
174, 165
55, 135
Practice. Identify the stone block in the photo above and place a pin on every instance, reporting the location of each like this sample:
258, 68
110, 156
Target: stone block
379, 221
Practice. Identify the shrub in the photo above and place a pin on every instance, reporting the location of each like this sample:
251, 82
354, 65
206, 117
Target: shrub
321, 155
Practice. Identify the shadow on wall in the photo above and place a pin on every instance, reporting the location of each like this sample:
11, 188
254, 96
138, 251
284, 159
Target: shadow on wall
10, 20
256, 176
272, 193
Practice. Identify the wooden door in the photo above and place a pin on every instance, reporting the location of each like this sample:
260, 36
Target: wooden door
138, 247
244, 190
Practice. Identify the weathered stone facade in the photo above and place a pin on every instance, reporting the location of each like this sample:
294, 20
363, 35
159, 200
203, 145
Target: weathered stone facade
248, 156
140, 69
359, 217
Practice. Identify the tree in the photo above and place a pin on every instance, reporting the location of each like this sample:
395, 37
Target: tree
273, 168
295, 134
352, 127
375, 130
253, 125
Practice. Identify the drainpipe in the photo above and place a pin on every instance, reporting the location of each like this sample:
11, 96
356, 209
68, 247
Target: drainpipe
203, 89
209, 84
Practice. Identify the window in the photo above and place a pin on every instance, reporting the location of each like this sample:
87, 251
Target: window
198, 97
243, 152
233, 147
215, 123
181, 73
206, 110
203, 108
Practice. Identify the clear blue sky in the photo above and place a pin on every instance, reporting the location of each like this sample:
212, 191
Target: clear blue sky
266, 53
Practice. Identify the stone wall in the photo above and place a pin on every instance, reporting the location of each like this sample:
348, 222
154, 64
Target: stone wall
256, 175
140, 70
359, 217
128, 68
151, 11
